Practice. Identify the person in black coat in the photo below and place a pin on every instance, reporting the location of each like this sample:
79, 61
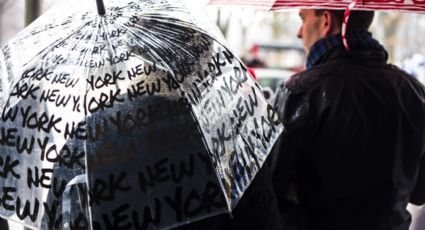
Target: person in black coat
257, 209
354, 134
168, 131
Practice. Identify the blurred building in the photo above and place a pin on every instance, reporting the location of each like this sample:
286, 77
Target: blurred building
243, 27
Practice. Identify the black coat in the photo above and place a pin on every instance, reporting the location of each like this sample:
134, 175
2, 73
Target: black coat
257, 209
3, 224
354, 140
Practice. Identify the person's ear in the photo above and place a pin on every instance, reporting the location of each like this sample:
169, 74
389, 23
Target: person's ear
327, 24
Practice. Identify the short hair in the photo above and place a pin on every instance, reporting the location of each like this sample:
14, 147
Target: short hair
358, 19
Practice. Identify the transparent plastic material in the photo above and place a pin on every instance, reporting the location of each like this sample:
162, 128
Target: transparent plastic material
140, 118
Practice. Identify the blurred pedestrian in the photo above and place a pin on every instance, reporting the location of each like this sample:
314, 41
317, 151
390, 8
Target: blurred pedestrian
354, 133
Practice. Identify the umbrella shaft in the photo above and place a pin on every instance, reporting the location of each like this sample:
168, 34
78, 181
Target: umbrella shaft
33, 9
100, 7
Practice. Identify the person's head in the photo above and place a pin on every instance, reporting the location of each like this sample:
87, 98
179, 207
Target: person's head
317, 24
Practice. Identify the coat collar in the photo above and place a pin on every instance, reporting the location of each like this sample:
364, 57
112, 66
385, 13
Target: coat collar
358, 41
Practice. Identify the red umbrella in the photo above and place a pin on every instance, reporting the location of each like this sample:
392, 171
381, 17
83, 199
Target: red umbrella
401, 5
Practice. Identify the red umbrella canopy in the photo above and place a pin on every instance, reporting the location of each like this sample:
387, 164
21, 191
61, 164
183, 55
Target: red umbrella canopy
399, 5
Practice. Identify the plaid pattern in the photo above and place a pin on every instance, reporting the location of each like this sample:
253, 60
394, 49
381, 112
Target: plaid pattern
358, 40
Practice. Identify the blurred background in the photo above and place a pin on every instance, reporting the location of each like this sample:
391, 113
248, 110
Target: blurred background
265, 41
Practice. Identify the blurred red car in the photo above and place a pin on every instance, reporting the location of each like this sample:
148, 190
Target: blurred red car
276, 56
273, 63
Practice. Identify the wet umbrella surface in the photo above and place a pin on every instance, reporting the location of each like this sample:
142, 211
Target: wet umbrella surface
136, 119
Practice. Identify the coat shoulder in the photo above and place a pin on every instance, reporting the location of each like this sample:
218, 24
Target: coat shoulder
305, 80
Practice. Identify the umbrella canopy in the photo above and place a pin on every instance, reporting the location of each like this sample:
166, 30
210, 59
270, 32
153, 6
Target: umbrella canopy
130, 116
399, 5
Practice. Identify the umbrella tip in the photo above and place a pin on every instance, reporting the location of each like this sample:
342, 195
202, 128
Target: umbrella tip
100, 7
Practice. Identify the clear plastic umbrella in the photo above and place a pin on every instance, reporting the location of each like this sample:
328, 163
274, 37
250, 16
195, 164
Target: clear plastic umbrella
133, 117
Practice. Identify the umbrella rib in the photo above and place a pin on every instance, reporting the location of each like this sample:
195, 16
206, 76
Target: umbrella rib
42, 54
59, 41
221, 171
166, 31
138, 38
